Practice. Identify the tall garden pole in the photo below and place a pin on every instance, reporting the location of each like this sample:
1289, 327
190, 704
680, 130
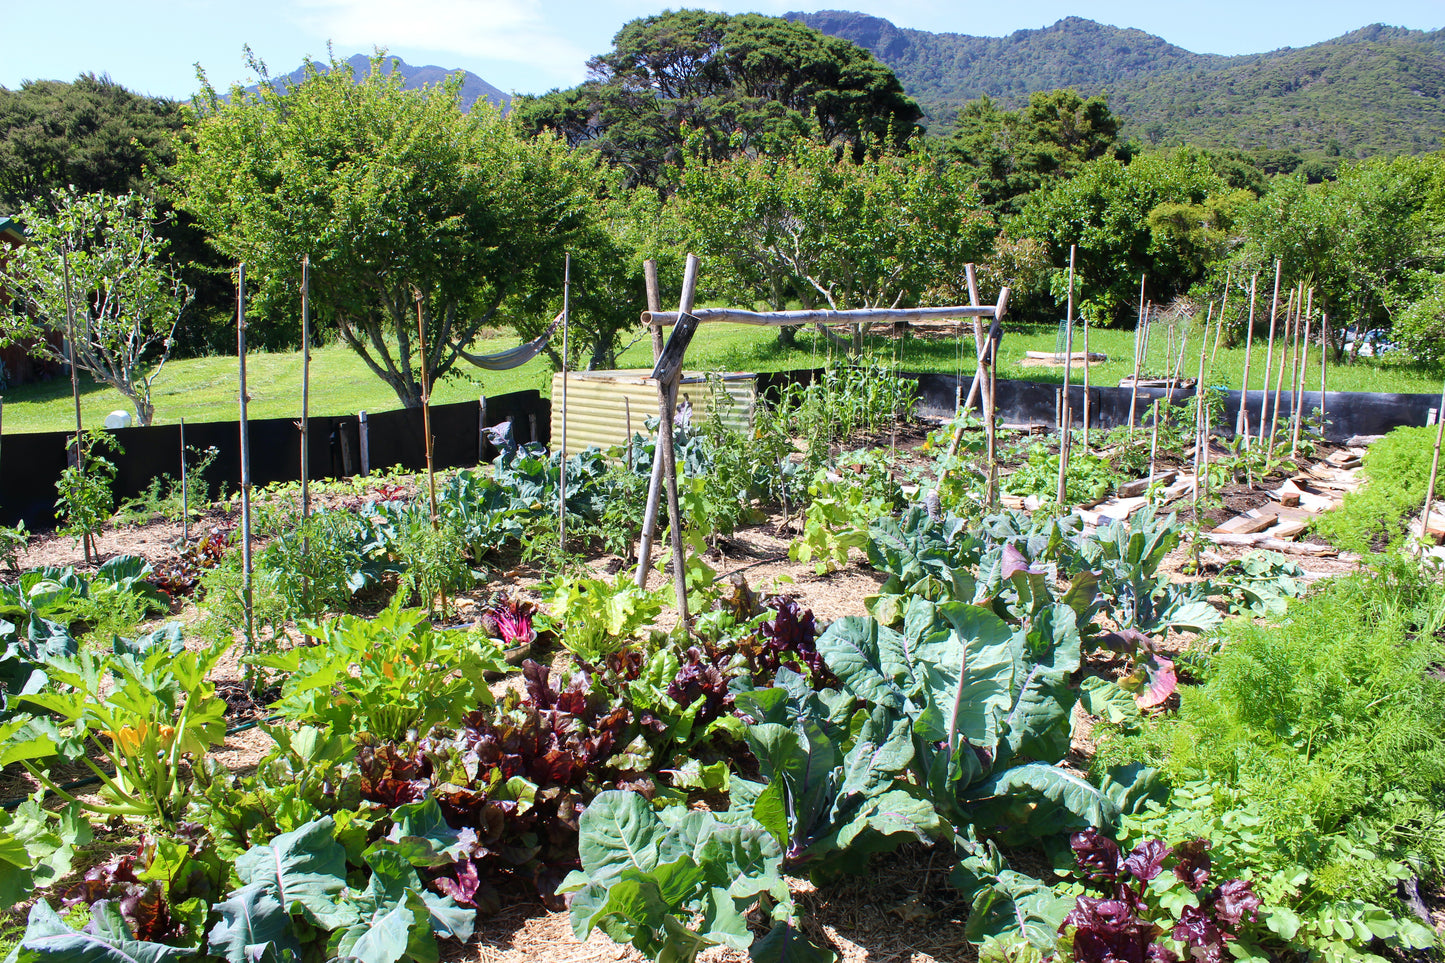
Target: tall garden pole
305, 392
431, 478
668, 397
1294, 364
1299, 389
1000, 308
1087, 407
86, 541
1279, 378
247, 596
654, 303
185, 490
654, 486
562, 460
1269, 353
1066, 416
426, 409
1200, 441
1324, 360
1139, 334
1241, 426
1219, 328
1434, 466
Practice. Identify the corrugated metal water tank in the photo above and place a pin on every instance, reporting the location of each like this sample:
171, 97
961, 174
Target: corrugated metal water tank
598, 403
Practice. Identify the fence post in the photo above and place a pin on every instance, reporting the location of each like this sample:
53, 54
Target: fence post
364, 428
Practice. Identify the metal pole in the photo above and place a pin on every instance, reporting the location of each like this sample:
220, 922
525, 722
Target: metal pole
246, 586
562, 449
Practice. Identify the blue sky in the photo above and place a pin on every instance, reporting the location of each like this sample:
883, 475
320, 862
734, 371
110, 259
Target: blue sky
530, 46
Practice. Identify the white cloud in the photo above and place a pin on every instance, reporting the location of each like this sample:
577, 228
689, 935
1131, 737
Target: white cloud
509, 30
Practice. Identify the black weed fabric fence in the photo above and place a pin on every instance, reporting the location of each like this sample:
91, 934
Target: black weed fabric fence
30, 464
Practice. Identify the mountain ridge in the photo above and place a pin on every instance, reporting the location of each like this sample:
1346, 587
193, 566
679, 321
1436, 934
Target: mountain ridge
474, 88
1375, 89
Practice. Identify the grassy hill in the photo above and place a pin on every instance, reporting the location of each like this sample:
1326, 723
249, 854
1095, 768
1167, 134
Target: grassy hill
1375, 90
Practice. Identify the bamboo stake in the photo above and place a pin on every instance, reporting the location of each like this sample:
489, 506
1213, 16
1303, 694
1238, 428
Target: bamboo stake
991, 427
1279, 379
431, 478
1087, 406
562, 466
1434, 466
1139, 342
1199, 406
1293, 365
185, 490
86, 540
1269, 354
1066, 416
1324, 360
1299, 409
669, 397
1219, 329
247, 596
1154, 443
1241, 425
305, 392
654, 485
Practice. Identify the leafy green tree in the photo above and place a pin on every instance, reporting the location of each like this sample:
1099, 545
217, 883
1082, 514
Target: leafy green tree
745, 81
1017, 152
1165, 214
101, 257
93, 135
833, 231
395, 196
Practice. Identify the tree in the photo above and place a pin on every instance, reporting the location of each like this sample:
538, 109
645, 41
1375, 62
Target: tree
1015, 153
94, 135
99, 256
395, 196
1167, 215
744, 81
833, 231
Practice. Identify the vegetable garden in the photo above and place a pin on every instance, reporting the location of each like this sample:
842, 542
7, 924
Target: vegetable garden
1103, 739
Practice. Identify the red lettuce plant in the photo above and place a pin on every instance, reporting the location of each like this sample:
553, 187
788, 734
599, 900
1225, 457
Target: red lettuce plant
1123, 926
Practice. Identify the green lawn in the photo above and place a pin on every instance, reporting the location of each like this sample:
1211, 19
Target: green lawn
204, 389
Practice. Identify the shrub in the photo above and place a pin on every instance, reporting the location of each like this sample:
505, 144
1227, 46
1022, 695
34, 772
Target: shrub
1396, 468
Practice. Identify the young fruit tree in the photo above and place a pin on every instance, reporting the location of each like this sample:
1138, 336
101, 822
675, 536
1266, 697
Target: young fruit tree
97, 257
392, 194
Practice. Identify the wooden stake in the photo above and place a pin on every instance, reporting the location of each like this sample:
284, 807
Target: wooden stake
1067, 416
1279, 378
1294, 365
1434, 466
305, 391
1087, 407
185, 490
1219, 329
991, 424
87, 541
1241, 425
1324, 360
654, 303
667, 394
562, 448
1199, 405
1269, 354
1139, 342
1299, 391
431, 479
247, 596
654, 486
980, 383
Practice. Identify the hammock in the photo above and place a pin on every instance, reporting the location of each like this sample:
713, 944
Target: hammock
513, 357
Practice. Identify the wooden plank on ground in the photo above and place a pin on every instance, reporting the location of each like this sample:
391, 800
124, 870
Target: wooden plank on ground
1244, 525
1265, 541
1122, 508
1288, 528
1133, 489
